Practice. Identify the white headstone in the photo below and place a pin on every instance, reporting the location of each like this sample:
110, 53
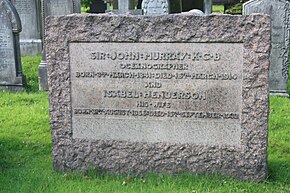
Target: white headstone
196, 12
279, 11
155, 7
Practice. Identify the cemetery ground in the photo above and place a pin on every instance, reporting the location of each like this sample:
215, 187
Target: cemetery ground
26, 165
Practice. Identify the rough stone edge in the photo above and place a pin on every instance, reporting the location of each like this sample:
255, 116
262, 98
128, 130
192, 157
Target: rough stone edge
248, 163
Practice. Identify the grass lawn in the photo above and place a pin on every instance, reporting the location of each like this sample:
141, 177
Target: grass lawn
26, 165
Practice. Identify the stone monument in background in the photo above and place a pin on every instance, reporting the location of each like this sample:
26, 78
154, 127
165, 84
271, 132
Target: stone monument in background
155, 7
135, 94
11, 76
54, 7
279, 10
30, 16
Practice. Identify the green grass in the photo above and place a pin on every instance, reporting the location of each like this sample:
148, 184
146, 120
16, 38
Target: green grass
218, 8
30, 68
26, 165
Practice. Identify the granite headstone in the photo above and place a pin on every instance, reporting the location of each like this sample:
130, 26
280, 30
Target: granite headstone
54, 7
140, 94
279, 10
30, 15
11, 76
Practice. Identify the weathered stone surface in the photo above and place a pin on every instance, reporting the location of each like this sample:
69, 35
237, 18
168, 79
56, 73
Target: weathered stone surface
11, 77
82, 84
30, 15
279, 10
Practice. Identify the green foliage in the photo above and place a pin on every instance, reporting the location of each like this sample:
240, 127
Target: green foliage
86, 5
26, 165
235, 9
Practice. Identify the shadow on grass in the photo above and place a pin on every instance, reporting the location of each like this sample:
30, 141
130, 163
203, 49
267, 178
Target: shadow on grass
279, 171
15, 152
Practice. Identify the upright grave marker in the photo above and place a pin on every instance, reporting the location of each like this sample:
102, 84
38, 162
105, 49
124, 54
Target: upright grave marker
30, 15
279, 10
54, 7
11, 76
153, 99
155, 7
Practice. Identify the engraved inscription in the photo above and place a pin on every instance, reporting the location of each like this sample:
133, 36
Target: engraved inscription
135, 82
29, 16
155, 7
7, 62
25, 7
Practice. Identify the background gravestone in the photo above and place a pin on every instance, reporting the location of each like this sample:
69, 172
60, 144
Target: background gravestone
125, 7
279, 10
148, 96
175, 6
11, 77
30, 15
54, 7
155, 7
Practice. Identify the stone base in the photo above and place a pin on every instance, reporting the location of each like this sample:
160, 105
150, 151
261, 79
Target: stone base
281, 93
42, 76
17, 86
12, 88
31, 47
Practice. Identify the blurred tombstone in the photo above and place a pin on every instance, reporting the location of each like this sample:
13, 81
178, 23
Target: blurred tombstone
279, 11
155, 7
11, 76
30, 14
54, 7
125, 7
